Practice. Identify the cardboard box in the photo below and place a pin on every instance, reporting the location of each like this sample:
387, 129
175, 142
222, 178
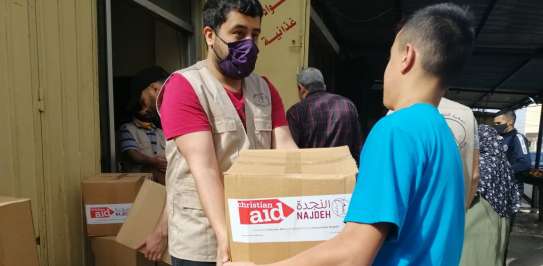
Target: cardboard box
144, 216
107, 252
280, 203
107, 199
17, 241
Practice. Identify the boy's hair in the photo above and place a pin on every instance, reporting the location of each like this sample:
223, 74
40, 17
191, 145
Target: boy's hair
444, 34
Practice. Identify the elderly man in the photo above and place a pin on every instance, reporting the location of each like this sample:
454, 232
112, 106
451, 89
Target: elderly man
323, 119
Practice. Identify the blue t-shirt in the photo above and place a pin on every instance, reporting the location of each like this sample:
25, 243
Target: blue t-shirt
411, 177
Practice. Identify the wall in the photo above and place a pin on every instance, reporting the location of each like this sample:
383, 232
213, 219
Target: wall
284, 49
50, 140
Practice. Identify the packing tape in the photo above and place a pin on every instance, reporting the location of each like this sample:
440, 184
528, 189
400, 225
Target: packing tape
293, 163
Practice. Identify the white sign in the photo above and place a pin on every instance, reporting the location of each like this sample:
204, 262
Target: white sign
289, 219
107, 213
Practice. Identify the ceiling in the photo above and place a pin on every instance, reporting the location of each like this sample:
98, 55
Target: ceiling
505, 70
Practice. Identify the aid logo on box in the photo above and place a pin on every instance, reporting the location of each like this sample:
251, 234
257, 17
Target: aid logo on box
289, 219
263, 211
107, 213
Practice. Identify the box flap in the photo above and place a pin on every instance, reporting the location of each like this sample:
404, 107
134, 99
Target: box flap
6, 200
323, 161
144, 215
116, 177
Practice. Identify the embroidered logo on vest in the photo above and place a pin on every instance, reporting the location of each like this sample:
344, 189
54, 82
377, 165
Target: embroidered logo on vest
261, 99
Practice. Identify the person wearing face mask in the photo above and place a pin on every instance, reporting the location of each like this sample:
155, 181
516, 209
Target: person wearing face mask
141, 141
209, 112
516, 144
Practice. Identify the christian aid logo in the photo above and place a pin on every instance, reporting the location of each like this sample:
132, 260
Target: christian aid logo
271, 211
101, 212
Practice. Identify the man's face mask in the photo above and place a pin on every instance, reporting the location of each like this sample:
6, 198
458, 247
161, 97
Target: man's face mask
241, 59
500, 128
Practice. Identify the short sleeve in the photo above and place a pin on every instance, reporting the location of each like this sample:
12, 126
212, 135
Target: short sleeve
279, 118
180, 110
388, 168
127, 141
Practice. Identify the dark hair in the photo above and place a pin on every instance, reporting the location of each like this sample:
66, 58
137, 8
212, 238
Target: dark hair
140, 82
511, 115
444, 33
216, 11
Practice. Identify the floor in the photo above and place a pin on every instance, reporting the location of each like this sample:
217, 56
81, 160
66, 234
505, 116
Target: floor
526, 246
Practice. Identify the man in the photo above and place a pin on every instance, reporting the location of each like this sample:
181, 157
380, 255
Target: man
408, 204
516, 143
142, 145
141, 141
323, 119
464, 127
209, 112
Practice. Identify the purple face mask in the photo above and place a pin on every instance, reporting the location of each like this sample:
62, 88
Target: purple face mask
241, 59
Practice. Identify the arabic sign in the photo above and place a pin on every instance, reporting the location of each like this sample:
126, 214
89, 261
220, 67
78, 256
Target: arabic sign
281, 29
289, 219
283, 44
269, 9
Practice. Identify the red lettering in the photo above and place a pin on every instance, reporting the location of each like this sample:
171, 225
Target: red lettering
263, 211
101, 212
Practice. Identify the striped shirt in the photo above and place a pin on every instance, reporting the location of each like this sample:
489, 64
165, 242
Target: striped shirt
128, 142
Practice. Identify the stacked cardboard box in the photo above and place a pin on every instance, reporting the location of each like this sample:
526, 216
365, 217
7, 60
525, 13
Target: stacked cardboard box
144, 216
108, 201
280, 203
17, 241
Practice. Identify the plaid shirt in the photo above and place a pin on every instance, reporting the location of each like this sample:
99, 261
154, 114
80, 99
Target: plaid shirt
325, 120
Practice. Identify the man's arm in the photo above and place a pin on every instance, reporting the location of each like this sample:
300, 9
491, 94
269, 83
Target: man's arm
521, 157
475, 177
282, 139
155, 244
356, 245
199, 151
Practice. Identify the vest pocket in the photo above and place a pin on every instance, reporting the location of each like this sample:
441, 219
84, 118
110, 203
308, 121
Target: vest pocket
225, 125
263, 133
190, 200
262, 124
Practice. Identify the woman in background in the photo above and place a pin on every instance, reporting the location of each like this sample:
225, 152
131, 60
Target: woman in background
497, 200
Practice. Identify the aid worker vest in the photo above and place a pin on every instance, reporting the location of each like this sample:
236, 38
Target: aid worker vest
189, 231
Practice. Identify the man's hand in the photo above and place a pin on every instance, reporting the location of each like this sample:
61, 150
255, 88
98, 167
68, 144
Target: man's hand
159, 162
223, 252
154, 246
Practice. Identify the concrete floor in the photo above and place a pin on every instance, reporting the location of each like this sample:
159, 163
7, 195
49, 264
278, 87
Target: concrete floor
526, 246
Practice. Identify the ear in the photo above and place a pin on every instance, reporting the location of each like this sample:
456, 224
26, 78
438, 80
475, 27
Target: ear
409, 55
209, 35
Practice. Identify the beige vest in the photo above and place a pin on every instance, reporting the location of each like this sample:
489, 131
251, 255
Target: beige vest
463, 125
145, 147
190, 234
